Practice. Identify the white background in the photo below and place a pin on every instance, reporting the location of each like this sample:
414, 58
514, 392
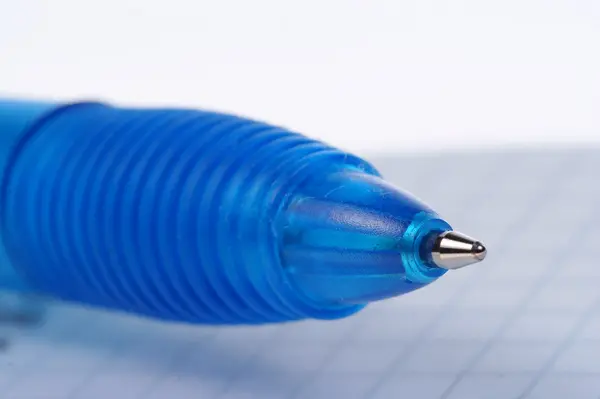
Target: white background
364, 75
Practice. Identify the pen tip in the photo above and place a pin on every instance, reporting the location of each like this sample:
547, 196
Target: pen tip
453, 250
479, 251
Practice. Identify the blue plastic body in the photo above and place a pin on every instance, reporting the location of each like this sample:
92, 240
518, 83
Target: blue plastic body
199, 217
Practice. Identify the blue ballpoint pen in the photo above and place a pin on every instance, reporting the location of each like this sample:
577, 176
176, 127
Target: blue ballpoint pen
203, 217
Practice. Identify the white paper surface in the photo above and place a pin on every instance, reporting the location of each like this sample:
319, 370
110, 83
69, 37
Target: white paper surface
523, 324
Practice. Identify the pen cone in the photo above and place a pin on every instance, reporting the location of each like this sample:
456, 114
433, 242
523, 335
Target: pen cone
453, 250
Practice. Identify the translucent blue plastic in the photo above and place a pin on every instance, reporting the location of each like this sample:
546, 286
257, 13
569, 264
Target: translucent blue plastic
199, 217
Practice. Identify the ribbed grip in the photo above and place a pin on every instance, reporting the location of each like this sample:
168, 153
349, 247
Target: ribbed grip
167, 213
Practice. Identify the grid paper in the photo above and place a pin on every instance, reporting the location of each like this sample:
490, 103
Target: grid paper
523, 324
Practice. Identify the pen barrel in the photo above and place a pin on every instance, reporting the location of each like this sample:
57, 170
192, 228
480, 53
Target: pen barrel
164, 213
15, 118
